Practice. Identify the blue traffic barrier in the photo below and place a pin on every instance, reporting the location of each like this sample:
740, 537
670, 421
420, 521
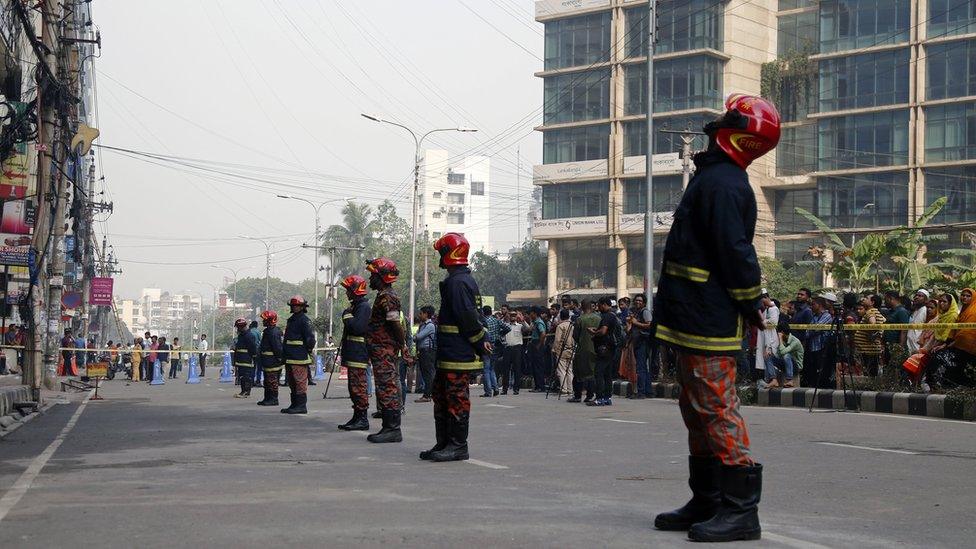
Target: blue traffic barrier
226, 372
157, 374
192, 375
319, 372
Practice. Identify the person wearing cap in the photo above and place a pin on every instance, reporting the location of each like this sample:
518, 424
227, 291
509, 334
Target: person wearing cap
299, 345
919, 315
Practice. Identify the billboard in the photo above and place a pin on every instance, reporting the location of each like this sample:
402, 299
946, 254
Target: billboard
101, 291
14, 249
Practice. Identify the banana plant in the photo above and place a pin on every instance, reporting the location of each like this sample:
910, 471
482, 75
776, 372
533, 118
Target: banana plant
859, 265
906, 249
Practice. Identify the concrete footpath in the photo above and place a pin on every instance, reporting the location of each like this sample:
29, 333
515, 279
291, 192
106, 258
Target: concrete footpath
189, 466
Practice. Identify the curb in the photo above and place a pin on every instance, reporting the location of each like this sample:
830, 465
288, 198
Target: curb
911, 404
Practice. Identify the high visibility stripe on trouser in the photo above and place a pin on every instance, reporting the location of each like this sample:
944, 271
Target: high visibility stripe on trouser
710, 408
357, 339
357, 389
356, 365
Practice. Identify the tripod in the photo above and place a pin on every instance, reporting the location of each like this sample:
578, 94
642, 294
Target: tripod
840, 349
335, 359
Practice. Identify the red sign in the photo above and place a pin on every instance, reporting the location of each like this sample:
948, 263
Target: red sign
101, 291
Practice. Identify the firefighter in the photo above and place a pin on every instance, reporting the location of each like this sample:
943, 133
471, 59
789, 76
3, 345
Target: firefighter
709, 259
385, 342
270, 358
245, 351
355, 322
461, 340
297, 352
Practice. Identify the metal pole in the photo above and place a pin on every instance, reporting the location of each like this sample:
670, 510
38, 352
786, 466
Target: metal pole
316, 277
213, 317
331, 280
648, 157
413, 239
267, 275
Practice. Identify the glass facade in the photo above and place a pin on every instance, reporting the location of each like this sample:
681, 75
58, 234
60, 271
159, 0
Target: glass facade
791, 252
577, 41
868, 80
841, 200
863, 140
679, 84
576, 144
667, 194
635, 133
798, 32
575, 199
797, 150
635, 259
794, 4
950, 132
852, 24
958, 184
952, 69
682, 25
951, 17
784, 210
577, 97
586, 263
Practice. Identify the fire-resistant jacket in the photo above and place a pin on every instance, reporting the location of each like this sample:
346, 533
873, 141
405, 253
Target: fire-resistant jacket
271, 349
460, 337
299, 340
355, 323
245, 350
710, 276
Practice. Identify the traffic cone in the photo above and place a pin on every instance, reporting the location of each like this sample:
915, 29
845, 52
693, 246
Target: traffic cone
319, 372
226, 372
191, 375
157, 374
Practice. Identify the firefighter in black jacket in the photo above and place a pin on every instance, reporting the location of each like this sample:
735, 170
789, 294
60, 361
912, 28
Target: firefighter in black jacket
271, 357
461, 340
710, 282
298, 349
355, 356
245, 351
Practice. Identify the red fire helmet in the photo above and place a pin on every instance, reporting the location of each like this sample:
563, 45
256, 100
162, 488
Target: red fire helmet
356, 284
297, 300
270, 318
454, 249
385, 268
240, 323
749, 129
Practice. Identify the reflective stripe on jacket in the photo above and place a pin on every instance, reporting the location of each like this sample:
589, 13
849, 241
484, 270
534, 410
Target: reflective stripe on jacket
355, 323
460, 335
299, 340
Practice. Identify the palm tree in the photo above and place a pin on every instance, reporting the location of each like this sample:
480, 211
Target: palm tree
357, 230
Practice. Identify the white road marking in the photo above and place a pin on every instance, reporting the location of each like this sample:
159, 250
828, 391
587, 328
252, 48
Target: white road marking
620, 420
791, 542
500, 406
17, 491
906, 452
480, 463
221, 389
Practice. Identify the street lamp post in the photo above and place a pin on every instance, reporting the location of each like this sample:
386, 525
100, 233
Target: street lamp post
317, 208
213, 315
865, 208
267, 268
416, 189
234, 271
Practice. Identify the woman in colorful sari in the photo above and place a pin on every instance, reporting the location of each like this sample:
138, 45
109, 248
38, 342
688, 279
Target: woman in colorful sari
949, 361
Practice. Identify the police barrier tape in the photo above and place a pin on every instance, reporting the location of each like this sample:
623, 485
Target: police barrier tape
170, 351
886, 327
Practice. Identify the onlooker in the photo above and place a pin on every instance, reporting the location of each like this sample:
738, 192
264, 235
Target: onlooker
868, 343
495, 331
767, 340
623, 313
949, 363
163, 354
811, 373
537, 355
585, 360
177, 359
606, 350
802, 313
512, 357
640, 335
138, 364
426, 343
787, 359
67, 344
918, 316
203, 347
152, 358
563, 349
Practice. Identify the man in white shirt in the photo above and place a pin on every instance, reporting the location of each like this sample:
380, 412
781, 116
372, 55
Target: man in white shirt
203, 346
512, 355
919, 315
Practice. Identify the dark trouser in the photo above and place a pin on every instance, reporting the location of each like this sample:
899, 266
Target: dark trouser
870, 363
271, 382
811, 368
426, 361
403, 382
297, 378
246, 376
357, 388
172, 368
203, 364
604, 375
512, 368
538, 361
579, 385
643, 374
150, 370
452, 401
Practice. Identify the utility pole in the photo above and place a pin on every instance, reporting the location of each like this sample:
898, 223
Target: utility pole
687, 138
649, 155
332, 251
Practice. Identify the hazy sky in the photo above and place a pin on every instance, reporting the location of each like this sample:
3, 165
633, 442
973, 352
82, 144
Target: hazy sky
272, 90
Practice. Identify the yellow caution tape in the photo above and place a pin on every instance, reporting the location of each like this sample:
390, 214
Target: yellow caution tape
885, 327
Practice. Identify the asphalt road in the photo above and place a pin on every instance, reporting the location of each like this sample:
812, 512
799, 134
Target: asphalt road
190, 466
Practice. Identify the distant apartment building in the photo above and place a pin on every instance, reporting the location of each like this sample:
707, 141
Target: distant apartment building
454, 197
167, 313
878, 99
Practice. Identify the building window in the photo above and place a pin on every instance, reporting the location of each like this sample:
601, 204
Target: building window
686, 83
576, 144
950, 132
796, 153
841, 200
682, 25
436, 215
564, 200
795, 4
958, 184
455, 198
667, 194
952, 69
455, 178
577, 41
477, 188
868, 80
635, 259
437, 235
784, 210
797, 33
853, 24
586, 263
951, 17
577, 97
635, 133
455, 218
437, 194
792, 252
864, 140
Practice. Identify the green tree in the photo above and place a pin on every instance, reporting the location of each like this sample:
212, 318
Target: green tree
524, 269
357, 229
782, 282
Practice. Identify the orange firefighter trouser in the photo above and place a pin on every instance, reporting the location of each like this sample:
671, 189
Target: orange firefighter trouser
710, 408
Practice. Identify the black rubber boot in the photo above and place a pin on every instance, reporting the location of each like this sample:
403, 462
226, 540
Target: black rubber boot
359, 422
297, 405
737, 517
378, 414
391, 428
703, 479
270, 398
457, 441
440, 430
